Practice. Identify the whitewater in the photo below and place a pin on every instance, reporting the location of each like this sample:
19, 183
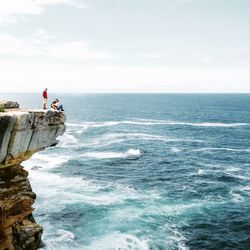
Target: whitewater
146, 172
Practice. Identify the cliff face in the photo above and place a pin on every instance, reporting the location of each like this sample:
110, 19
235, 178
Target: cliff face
22, 133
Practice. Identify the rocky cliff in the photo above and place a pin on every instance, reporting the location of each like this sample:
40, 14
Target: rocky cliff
22, 133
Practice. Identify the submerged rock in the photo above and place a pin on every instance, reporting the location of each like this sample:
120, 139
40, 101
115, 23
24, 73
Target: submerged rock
22, 133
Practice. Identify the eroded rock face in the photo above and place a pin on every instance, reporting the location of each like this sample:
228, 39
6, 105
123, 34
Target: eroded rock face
22, 133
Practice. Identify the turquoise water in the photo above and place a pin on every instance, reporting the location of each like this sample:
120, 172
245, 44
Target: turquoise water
146, 172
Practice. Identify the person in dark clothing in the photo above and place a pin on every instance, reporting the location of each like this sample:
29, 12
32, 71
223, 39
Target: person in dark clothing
45, 98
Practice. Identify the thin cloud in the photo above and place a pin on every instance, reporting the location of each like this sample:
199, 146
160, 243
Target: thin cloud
12, 10
10, 45
111, 78
43, 44
150, 56
169, 3
78, 50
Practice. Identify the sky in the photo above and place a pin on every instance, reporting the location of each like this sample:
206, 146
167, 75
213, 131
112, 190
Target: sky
172, 46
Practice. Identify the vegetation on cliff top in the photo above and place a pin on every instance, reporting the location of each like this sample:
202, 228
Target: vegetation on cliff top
1, 108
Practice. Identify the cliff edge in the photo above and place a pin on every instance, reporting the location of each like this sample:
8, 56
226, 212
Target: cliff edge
22, 133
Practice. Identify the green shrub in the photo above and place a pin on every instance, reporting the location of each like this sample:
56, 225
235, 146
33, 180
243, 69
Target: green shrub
1, 108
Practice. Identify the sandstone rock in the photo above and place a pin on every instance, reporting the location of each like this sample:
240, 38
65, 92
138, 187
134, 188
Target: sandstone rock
6, 126
22, 133
10, 104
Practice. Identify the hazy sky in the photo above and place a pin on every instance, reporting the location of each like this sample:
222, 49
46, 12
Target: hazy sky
124, 45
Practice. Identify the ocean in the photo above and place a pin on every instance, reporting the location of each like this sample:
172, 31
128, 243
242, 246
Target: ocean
145, 171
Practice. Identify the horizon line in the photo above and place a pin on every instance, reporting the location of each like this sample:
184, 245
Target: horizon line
65, 92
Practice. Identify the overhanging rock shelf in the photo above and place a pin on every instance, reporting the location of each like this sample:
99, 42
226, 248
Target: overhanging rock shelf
23, 132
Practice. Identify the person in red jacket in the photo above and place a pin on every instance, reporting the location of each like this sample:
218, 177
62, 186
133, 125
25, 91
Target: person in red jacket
45, 97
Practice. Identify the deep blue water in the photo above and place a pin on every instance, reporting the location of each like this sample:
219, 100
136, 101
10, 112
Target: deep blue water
146, 172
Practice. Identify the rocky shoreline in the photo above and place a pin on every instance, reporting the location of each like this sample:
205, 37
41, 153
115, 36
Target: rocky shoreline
22, 133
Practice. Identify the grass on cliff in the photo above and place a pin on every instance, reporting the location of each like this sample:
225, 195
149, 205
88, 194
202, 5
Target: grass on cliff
1, 108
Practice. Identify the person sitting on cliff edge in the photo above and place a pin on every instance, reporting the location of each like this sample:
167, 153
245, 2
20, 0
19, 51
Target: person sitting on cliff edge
55, 105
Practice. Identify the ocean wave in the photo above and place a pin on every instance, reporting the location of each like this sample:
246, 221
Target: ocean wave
67, 140
154, 209
236, 196
239, 193
247, 150
119, 241
201, 172
233, 169
176, 236
198, 124
64, 235
88, 124
60, 191
245, 189
129, 154
175, 150
114, 138
231, 176
150, 122
47, 161
212, 124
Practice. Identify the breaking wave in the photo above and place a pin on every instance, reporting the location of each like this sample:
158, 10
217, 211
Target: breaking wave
119, 241
130, 154
145, 122
247, 150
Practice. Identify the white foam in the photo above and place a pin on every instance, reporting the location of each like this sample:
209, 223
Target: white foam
238, 193
152, 208
213, 124
245, 188
105, 140
130, 136
87, 124
57, 191
239, 176
145, 136
233, 169
118, 241
201, 124
150, 122
76, 125
131, 153
67, 140
46, 161
64, 235
113, 138
201, 172
175, 150
236, 197
176, 209
176, 236
222, 149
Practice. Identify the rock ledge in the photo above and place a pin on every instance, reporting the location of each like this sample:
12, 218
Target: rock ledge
22, 133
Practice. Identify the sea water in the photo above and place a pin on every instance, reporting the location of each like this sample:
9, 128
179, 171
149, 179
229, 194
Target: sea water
136, 171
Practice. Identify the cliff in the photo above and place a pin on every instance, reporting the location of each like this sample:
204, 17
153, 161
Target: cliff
22, 133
